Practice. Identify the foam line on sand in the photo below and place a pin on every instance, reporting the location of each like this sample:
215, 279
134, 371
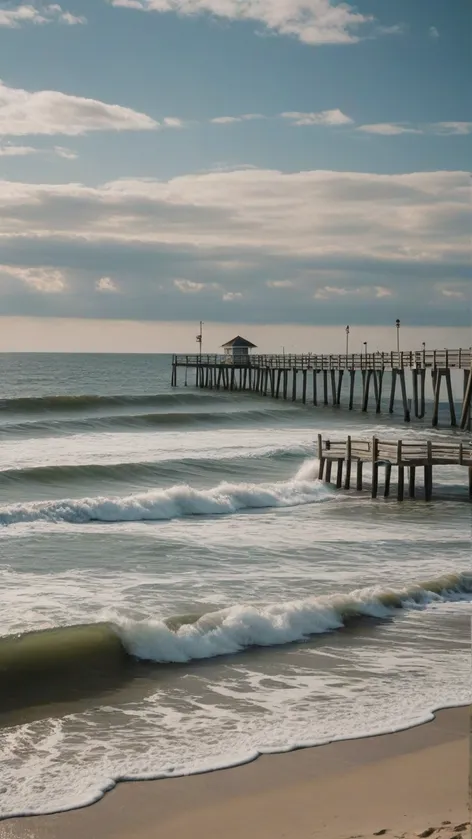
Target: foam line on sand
403, 785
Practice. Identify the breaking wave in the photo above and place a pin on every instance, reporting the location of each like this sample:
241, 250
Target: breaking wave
236, 628
176, 502
27, 659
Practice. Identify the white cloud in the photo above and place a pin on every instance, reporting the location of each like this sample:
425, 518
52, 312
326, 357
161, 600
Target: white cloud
311, 21
173, 122
332, 219
11, 150
452, 127
51, 112
232, 295
17, 151
450, 292
330, 292
67, 154
37, 14
387, 129
433, 32
334, 117
106, 284
241, 118
190, 287
280, 283
42, 279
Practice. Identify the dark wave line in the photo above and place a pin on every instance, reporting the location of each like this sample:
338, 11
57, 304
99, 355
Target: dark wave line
83, 402
143, 421
140, 469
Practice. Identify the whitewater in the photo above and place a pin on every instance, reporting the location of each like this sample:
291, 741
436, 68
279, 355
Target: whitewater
179, 544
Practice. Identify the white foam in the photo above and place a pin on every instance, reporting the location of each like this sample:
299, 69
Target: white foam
175, 502
236, 628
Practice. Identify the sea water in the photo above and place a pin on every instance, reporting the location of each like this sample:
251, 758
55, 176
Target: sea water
196, 596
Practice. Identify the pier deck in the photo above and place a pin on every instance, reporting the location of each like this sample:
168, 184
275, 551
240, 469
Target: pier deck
401, 454
279, 376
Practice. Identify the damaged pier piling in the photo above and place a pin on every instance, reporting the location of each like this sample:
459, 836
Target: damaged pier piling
401, 454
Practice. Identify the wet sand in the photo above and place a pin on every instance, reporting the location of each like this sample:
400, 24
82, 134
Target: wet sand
408, 784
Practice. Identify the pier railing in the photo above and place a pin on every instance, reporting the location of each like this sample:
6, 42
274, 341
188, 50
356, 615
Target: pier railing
405, 359
387, 454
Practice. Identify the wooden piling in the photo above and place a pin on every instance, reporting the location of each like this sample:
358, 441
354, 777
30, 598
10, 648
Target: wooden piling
339, 474
392, 392
340, 384
325, 387
329, 464
401, 473
366, 375
388, 477
285, 383
378, 383
304, 377
352, 382
375, 467
411, 481
359, 467
466, 402
436, 377
450, 397
294, 386
315, 387
333, 387
347, 477
406, 405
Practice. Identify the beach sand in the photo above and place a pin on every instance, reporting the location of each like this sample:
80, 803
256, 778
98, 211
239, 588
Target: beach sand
408, 784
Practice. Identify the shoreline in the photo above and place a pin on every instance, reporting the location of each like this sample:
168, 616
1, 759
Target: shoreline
332, 791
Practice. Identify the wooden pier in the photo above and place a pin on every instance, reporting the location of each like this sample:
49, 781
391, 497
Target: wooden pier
401, 454
319, 379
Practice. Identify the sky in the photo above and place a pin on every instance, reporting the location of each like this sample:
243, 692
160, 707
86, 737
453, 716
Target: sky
273, 167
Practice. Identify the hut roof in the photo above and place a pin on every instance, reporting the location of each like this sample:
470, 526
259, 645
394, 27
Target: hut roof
239, 342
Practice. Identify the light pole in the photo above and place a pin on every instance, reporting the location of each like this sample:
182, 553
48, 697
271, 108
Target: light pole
397, 324
365, 350
347, 341
200, 337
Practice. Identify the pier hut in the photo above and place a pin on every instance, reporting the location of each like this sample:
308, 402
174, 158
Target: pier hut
237, 351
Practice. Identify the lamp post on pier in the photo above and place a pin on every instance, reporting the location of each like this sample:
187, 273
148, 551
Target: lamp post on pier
365, 351
200, 338
347, 341
397, 324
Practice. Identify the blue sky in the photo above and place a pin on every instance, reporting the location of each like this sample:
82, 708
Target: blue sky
280, 161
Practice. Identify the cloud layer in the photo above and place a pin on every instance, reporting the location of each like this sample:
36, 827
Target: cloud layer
37, 14
313, 245
51, 112
314, 22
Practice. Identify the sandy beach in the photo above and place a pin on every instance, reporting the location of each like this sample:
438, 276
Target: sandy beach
407, 784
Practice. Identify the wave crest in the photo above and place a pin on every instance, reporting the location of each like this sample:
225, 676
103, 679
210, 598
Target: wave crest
176, 502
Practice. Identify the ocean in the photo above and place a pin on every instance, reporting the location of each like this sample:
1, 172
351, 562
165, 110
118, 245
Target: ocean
180, 593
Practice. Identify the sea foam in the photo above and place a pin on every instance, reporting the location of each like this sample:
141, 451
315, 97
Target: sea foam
238, 627
176, 502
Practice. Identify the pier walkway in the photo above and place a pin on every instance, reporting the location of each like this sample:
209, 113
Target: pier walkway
319, 378
402, 454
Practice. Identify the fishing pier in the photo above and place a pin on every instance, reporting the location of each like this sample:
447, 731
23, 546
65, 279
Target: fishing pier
401, 454
318, 379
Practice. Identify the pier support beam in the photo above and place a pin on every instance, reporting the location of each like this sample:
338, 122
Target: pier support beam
450, 398
347, 477
388, 477
340, 384
315, 387
304, 376
366, 376
325, 387
466, 402
352, 382
393, 387
406, 407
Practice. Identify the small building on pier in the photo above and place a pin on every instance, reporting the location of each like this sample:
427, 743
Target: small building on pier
238, 350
